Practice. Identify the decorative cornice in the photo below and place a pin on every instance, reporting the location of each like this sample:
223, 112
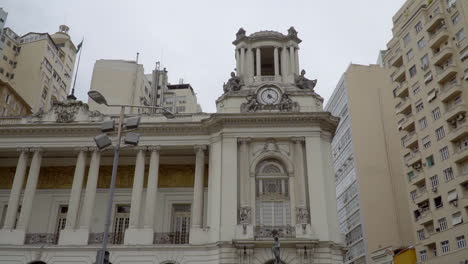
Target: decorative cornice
298, 140
244, 140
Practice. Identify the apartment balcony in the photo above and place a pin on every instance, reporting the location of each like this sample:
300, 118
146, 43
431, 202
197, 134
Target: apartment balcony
173, 238
408, 122
413, 157
411, 140
425, 217
438, 37
458, 133
421, 196
404, 106
399, 75
286, 231
397, 61
417, 179
443, 55
435, 20
402, 90
455, 110
41, 239
450, 91
460, 155
446, 73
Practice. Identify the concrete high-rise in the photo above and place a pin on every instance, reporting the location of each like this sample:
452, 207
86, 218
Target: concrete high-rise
428, 63
372, 209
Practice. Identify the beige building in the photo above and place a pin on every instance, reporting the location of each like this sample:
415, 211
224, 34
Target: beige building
373, 210
11, 104
124, 82
428, 61
38, 66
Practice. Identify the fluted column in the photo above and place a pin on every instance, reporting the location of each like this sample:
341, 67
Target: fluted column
30, 190
197, 207
137, 189
152, 188
90, 193
296, 60
292, 64
251, 66
284, 64
238, 69
300, 178
259, 62
75, 195
244, 171
15, 193
242, 61
276, 60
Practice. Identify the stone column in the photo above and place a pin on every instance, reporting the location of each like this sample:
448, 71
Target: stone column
67, 235
15, 192
137, 189
284, 64
238, 70
30, 190
276, 59
296, 60
90, 193
302, 214
251, 66
292, 64
75, 195
242, 61
244, 171
197, 207
152, 188
259, 63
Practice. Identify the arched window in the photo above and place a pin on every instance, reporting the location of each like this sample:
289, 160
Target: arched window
37, 262
272, 194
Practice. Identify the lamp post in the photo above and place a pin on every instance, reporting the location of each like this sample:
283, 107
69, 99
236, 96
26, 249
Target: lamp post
102, 141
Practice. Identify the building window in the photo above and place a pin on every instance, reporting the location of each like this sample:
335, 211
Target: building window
421, 235
444, 153
61, 219
8, 43
445, 246
416, 89
438, 204
12, 76
410, 54
448, 173
422, 123
419, 107
180, 109
406, 39
413, 71
422, 43
423, 255
436, 113
7, 99
434, 181
460, 35
425, 62
1, 70
456, 19
430, 161
121, 221
411, 176
45, 92
413, 195
440, 133
443, 223
461, 243
418, 27
426, 141
5, 58
457, 218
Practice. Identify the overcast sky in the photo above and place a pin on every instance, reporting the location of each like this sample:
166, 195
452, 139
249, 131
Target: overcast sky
192, 38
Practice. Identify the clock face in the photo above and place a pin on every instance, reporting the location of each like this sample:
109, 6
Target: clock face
269, 96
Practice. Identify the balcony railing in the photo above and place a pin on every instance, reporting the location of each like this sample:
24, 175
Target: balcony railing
262, 231
114, 238
174, 238
267, 78
41, 238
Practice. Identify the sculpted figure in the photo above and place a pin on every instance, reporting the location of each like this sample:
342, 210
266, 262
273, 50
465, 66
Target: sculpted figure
233, 84
292, 32
240, 33
303, 83
276, 250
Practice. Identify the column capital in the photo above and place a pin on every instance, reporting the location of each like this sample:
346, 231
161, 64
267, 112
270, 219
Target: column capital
36, 149
23, 149
141, 148
79, 149
154, 148
244, 140
297, 140
200, 147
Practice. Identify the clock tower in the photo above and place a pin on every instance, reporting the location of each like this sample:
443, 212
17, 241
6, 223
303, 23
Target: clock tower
267, 76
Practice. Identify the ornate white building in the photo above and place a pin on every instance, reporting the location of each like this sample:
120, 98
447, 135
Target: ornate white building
200, 188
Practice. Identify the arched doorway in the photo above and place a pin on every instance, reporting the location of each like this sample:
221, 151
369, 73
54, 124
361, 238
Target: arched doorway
37, 262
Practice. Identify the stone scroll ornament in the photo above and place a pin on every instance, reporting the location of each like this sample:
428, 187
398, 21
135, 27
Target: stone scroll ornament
303, 83
66, 111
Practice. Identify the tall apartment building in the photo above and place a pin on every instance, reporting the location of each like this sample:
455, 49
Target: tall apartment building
3, 18
428, 60
370, 191
11, 104
124, 82
38, 66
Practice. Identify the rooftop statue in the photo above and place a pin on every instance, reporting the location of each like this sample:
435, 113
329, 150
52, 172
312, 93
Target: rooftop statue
303, 83
240, 33
292, 32
233, 84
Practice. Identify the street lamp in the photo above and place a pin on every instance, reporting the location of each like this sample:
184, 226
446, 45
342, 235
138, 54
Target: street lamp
103, 141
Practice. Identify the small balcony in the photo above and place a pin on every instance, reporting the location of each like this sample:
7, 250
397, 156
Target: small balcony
434, 21
417, 178
404, 106
408, 123
41, 239
446, 72
461, 154
442, 55
425, 217
421, 196
411, 140
286, 231
454, 110
399, 75
173, 238
438, 37
458, 133
413, 157
402, 90
450, 91
398, 60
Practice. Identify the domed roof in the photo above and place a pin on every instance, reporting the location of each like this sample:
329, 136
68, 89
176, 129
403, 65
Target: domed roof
266, 33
